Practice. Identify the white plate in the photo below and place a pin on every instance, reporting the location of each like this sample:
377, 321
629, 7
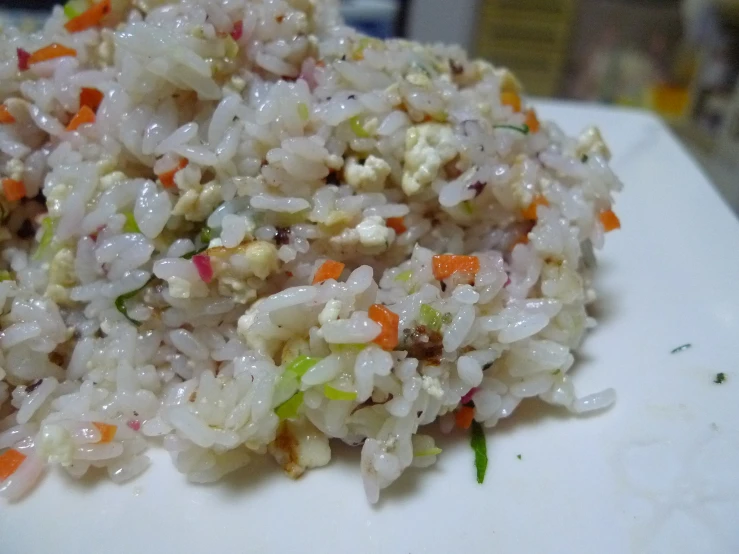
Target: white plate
659, 473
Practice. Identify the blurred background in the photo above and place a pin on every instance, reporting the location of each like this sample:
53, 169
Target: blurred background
679, 58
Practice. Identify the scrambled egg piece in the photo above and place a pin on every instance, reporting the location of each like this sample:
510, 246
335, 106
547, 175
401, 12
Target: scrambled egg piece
197, 205
427, 148
61, 276
55, 444
300, 446
232, 267
370, 176
591, 141
373, 232
432, 385
14, 169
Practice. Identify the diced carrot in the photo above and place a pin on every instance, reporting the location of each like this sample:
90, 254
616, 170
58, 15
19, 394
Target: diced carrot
89, 18
464, 417
512, 99
530, 212
82, 117
5, 116
53, 50
328, 270
389, 321
609, 220
167, 178
397, 225
447, 265
14, 189
107, 431
10, 461
91, 97
532, 122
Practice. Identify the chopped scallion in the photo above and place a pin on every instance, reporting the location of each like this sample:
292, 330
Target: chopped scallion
289, 408
47, 235
300, 365
5, 275
130, 226
303, 111
430, 317
120, 302
357, 128
428, 452
195, 252
404, 277
333, 393
523, 129
479, 446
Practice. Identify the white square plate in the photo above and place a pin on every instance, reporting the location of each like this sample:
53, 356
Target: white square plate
658, 473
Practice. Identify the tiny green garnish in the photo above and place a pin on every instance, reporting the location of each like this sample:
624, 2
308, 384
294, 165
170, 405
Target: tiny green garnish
479, 446
333, 393
523, 129
681, 348
404, 277
430, 317
47, 235
303, 111
120, 302
720, 378
357, 128
300, 365
428, 452
130, 226
289, 408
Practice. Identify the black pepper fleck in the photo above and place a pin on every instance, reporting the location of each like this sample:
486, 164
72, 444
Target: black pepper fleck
332, 179
33, 386
26, 230
282, 236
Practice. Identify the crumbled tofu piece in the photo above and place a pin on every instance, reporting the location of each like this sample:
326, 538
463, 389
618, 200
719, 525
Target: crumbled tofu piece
55, 444
427, 148
373, 232
61, 269
591, 141
432, 385
334, 162
294, 347
262, 258
14, 169
300, 446
370, 176
111, 179
179, 287
330, 312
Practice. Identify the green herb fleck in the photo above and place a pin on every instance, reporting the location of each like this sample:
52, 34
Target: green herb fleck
73, 8
357, 128
430, 317
47, 235
332, 393
303, 111
130, 226
428, 452
519, 457
348, 347
468, 207
479, 446
523, 129
584, 158
405, 276
206, 233
120, 302
289, 408
195, 252
681, 348
720, 378
5, 275
300, 365
447, 318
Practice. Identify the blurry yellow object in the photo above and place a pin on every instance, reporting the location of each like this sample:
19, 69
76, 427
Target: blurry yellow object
530, 37
669, 100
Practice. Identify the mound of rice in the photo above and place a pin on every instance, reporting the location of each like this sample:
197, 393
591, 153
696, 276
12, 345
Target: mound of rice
176, 178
